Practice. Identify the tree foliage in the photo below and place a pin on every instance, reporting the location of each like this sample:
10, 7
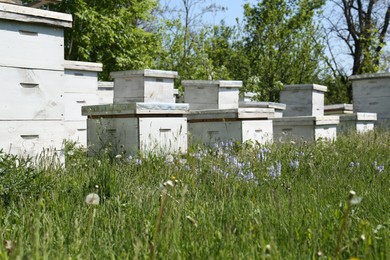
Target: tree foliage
113, 32
280, 45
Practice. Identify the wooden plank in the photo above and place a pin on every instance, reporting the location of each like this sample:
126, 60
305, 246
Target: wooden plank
31, 46
163, 135
31, 137
27, 14
31, 94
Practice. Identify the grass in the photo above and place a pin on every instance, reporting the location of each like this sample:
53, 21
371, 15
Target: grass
232, 201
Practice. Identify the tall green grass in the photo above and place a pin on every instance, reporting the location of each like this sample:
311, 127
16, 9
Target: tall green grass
241, 201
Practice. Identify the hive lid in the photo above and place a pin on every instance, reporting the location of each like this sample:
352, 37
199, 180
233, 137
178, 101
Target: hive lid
370, 76
276, 106
235, 113
82, 65
305, 87
144, 73
359, 117
136, 108
213, 83
307, 120
32, 15
338, 107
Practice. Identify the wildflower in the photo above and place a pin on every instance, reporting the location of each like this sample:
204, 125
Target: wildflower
363, 237
92, 199
118, 156
8, 246
168, 183
380, 168
169, 158
268, 249
353, 199
275, 171
138, 161
71, 153
294, 164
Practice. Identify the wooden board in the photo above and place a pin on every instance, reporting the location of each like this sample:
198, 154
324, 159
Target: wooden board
30, 137
31, 94
73, 102
32, 46
163, 135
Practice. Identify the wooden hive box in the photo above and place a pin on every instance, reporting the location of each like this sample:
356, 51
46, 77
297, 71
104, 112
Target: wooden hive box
144, 86
242, 124
29, 138
357, 122
247, 101
32, 38
211, 94
338, 109
305, 128
31, 94
303, 100
134, 127
371, 93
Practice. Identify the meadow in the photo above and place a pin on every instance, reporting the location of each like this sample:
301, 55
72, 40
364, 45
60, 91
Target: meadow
231, 201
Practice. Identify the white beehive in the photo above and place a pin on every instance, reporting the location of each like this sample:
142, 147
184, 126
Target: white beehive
32, 38
305, 128
246, 102
144, 86
338, 109
31, 94
303, 100
242, 124
357, 122
133, 127
29, 138
211, 94
81, 77
105, 92
371, 93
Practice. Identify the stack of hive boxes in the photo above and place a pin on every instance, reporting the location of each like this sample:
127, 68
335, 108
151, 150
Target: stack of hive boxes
42, 93
215, 114
371, 93
143, 117
304, 118
31, 74
349, 121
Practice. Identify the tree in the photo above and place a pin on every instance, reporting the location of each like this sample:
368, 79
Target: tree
185, 37
282, 44
113, 32
363, 27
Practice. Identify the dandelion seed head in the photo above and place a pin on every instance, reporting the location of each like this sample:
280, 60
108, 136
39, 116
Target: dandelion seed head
92, 199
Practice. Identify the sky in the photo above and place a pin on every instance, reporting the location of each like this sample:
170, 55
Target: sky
234, 10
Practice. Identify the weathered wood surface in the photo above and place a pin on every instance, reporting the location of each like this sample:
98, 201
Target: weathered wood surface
73, 102
32, 15
144, 86
303, 100
31, 94
83, 66
211, 132
237, 113
305, 128
31, 137
33, 46
136, 109
209, 94
157, 135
